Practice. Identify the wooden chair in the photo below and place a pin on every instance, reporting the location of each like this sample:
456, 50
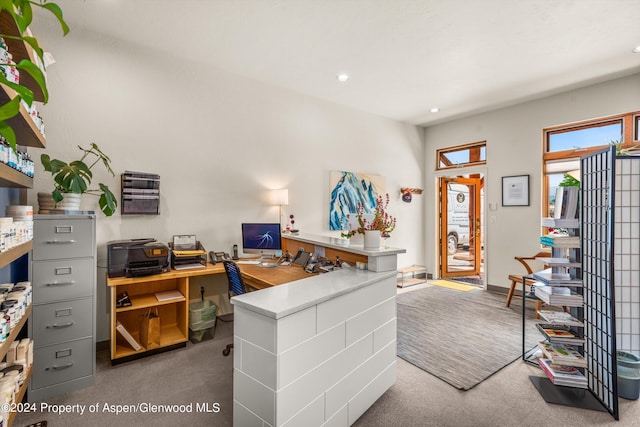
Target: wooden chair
517, 279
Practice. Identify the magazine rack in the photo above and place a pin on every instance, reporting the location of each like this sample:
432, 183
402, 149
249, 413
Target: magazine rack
595, 254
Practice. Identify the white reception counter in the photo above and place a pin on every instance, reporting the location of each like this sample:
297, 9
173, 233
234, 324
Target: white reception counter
314, 352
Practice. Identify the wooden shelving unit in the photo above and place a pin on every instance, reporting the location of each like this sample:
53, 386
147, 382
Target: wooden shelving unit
25, 128
174, 313
27, 135
20, 50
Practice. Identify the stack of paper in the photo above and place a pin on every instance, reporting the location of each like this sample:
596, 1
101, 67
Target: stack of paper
558, 295
560, 241
568, 376
560, 318
562, 354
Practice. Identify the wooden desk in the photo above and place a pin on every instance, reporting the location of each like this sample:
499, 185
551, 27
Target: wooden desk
265, 277
174, 314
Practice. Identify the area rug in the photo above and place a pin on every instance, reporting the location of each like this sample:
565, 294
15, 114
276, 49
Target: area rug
461, 337
453, 285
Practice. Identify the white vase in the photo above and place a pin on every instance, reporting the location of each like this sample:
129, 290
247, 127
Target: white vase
372, 239
70, 202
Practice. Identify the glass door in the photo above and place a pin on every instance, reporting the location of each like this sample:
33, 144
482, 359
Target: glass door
460, 226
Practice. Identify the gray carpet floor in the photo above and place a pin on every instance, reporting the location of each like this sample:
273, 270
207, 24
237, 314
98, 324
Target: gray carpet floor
199, 373
460, 337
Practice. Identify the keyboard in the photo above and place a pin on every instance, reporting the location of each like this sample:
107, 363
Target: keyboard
268, 264
249, 262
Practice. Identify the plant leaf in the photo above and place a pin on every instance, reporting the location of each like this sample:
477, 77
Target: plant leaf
33, 42
57, 196
10, 109
23, 92
57, 12
8, 133
107, 201
26, 12
34, 71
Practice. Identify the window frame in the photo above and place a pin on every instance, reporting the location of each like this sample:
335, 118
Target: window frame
630, 122
441, 154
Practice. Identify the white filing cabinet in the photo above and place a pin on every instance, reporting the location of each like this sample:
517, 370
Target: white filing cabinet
63, 277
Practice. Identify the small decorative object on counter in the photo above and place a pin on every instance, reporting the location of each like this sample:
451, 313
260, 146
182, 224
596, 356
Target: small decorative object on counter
378, 220
292, 229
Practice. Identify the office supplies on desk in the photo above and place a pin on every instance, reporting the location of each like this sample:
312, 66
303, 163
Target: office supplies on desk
268, 264
123, 300
137, 257
301, 258
218, 256
187, 252
169, 295
132, 341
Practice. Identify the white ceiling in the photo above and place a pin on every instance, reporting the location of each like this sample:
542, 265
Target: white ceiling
404, 56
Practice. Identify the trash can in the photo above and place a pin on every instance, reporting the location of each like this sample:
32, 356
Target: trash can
628, 375
202, 320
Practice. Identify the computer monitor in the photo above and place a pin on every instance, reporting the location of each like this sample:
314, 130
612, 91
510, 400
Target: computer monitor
261, 238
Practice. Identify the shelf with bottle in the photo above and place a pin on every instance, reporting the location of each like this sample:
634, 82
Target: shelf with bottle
19, 51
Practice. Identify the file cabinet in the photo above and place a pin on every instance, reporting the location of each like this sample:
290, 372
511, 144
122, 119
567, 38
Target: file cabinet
63, 276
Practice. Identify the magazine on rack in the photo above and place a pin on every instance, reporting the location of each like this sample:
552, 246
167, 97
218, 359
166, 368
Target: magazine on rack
562, 354
569, 376
559, 317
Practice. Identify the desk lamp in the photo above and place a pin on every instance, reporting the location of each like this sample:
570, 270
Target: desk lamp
280, 198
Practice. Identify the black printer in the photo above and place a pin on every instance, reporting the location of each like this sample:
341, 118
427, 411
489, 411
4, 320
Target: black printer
137, 257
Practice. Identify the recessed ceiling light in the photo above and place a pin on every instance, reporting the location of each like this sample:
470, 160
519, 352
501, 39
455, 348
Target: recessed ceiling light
636, 49
343, 77
434, 110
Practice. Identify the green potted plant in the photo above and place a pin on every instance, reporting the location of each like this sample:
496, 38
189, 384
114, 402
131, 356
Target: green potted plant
375, 225
75, 177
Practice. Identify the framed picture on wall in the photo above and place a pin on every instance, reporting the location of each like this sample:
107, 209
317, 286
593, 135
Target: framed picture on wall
515, 190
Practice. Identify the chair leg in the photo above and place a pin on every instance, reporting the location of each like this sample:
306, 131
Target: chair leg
511, 291
227, 350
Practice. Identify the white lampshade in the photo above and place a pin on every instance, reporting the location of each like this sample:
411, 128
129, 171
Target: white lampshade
280, 197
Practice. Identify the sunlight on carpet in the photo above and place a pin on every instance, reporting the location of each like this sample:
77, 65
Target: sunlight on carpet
453, 285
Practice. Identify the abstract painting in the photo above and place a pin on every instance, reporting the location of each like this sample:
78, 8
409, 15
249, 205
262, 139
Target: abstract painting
348, 190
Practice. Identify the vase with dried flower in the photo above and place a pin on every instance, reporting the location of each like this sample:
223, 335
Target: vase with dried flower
374, 225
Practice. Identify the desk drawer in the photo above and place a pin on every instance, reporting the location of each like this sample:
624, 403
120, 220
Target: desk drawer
62, 321
63, 238
62, 279
62, 362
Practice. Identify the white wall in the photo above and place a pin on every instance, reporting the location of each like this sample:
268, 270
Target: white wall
218, 141
514, 147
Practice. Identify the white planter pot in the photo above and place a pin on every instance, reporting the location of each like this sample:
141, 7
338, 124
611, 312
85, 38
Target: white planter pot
70, 202
372, 239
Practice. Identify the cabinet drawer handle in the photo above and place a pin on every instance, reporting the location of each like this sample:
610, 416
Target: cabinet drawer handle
58, 367
61, 242
60, 325
60, 283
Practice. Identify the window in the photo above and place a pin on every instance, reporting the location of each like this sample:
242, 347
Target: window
586, 137
462, 155
563, 146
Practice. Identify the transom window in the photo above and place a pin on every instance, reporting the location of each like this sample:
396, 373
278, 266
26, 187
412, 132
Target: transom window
563, 146
462, 155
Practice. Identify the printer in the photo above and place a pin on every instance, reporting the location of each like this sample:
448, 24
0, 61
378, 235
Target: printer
137, 257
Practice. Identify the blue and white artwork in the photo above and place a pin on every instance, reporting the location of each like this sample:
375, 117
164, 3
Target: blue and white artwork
348, 189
